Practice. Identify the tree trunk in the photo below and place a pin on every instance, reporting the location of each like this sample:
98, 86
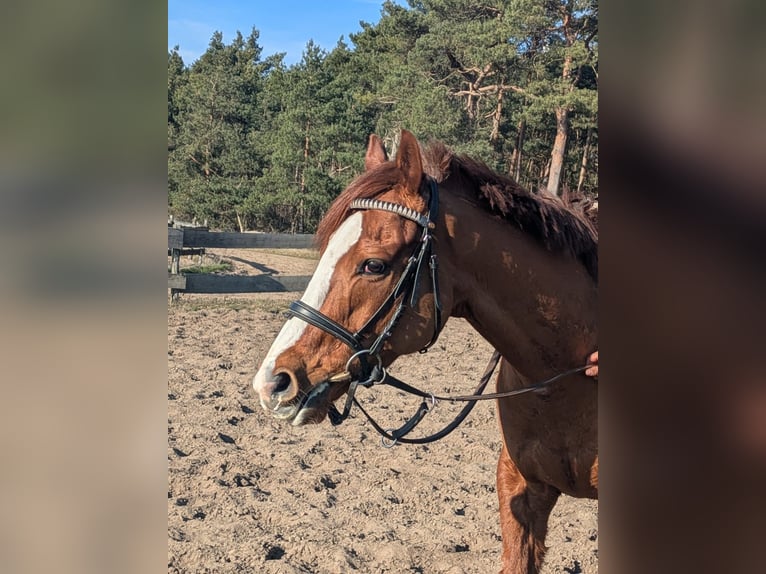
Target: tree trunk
305, 158
562, 112
544, 171
516, 156
584, 162
496, 116
559, 147
528, 173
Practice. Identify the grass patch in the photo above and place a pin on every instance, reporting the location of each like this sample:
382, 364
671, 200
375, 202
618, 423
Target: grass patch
298, 253
222, 267
208, 303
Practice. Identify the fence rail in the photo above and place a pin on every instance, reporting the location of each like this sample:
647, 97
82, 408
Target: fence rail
183, 240
231, 240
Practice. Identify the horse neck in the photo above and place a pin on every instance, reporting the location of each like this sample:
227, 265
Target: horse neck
536, 307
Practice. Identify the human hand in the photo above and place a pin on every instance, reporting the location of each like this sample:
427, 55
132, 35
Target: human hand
592, 370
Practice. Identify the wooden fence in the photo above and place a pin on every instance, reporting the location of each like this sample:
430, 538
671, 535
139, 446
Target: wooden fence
184, 240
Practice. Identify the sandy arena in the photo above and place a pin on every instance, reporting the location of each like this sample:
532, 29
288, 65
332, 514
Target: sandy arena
247, 493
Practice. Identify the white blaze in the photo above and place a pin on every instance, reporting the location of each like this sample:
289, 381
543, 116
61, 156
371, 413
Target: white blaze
344, 238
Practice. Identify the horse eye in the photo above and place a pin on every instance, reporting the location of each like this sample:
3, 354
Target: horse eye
374, 267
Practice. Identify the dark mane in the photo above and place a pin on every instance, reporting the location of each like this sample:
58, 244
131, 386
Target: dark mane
554, 224
557, 227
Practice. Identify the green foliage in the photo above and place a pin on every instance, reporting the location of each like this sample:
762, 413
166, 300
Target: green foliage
253, 143
222, 267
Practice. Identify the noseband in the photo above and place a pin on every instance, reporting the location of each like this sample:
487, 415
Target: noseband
405, 292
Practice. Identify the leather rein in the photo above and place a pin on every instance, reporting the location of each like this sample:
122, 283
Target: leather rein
405, 292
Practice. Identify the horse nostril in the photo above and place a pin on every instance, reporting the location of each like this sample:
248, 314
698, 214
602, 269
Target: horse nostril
282, 384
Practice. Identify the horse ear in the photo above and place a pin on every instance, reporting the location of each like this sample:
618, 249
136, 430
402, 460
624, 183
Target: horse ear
409, 162
376, 153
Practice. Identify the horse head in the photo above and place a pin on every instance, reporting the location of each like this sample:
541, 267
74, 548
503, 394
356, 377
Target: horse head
374, 295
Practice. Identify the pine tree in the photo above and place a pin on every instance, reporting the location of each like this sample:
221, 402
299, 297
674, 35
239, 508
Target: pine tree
177, 77
213, 167
562, 51
257, 144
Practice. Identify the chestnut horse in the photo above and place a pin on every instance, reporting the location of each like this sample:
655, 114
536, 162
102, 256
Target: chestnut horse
429, 235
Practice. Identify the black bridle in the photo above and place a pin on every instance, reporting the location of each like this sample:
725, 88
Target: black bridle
404, 290
371, 371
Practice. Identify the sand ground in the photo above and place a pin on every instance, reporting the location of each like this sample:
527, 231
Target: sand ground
247, 493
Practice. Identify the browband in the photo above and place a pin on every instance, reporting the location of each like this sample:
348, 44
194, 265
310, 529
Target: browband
401, 210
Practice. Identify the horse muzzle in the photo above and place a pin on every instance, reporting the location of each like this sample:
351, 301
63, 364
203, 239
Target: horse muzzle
280, 396
313, 407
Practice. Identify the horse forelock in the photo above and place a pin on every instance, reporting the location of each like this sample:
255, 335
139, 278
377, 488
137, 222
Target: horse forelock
367, 185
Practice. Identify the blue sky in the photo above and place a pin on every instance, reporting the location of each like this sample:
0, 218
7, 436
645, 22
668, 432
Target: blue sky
284, 25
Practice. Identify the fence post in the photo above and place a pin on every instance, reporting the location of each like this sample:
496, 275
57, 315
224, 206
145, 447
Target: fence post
175, 264
175, 244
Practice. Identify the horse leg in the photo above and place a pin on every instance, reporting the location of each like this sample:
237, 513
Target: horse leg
524, 510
